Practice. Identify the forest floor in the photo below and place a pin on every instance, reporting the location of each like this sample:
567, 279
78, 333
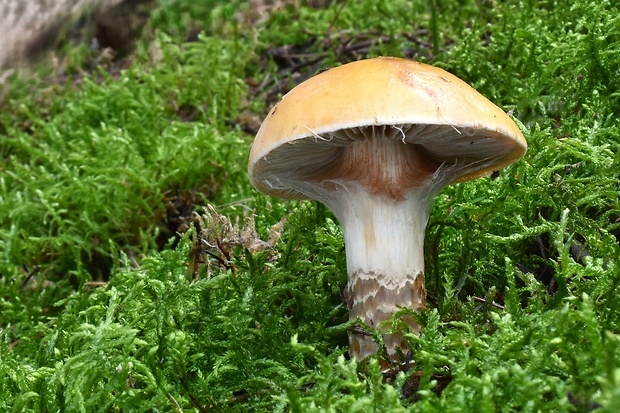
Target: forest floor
141, 271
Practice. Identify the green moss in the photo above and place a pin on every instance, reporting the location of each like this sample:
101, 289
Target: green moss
99, 173
90, 170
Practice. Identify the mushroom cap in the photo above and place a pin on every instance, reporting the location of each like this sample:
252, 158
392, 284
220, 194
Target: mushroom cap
401, 99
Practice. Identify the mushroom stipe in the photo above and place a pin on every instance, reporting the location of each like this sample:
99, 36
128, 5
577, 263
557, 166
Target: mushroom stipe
375, 141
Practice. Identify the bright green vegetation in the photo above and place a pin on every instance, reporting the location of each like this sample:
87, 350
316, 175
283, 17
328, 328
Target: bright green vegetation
99, 173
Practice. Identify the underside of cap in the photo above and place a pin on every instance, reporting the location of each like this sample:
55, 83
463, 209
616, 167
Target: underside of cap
402, 100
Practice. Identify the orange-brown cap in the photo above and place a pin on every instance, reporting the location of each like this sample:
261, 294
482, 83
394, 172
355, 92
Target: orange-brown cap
406, 100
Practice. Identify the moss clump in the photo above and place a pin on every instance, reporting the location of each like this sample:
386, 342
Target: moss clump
132, 277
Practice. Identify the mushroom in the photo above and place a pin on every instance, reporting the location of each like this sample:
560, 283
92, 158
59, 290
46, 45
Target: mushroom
375, 141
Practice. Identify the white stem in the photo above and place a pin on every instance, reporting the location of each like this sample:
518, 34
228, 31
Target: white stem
384, 240
380, 190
